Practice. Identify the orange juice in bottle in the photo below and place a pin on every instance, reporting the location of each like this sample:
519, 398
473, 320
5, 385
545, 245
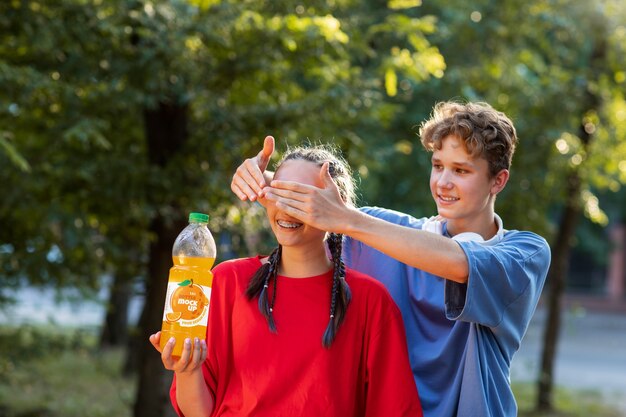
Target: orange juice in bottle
186, 310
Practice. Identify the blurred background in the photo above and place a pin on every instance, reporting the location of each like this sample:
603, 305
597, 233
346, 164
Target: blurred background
119, 117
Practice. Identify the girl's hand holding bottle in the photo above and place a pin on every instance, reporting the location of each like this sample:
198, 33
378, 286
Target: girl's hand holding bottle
189, 360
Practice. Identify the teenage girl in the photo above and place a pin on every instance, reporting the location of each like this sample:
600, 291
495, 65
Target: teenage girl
296, 333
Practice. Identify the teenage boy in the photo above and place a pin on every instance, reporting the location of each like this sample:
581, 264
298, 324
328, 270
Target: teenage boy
467, 287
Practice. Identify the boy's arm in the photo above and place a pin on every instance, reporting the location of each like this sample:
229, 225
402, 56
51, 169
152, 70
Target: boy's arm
432, 253
324, 209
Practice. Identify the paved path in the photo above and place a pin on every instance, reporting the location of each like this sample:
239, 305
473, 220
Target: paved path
591, 353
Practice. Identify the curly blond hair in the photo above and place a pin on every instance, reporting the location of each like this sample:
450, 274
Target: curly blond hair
484, 131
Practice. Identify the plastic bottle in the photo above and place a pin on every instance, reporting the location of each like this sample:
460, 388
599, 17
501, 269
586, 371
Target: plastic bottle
186, 311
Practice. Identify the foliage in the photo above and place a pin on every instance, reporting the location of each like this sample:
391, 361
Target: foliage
535, 61
81, 75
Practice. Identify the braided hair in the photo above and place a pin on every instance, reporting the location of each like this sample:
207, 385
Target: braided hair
340, 294
259, 285
266, 275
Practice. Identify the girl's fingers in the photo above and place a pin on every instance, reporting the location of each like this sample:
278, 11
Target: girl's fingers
199, 353
204, 350
185, 357
191, 357
155, 340
166, 354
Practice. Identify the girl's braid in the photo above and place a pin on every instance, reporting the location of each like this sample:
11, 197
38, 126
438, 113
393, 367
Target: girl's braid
259, 285
340, 293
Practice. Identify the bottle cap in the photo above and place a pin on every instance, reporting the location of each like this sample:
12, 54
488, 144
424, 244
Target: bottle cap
198, 217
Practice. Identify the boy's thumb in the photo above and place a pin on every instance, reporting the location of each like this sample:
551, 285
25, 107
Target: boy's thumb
268, 149
325, 175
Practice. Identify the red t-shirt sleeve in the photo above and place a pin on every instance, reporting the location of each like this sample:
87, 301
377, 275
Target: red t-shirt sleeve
391, 389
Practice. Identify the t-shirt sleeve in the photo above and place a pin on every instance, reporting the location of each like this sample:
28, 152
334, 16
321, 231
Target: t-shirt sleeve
391, 389
356, 253
393, 216
504, 283
216, 329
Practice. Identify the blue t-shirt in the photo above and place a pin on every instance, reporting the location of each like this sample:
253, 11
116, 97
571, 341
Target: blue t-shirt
462, 337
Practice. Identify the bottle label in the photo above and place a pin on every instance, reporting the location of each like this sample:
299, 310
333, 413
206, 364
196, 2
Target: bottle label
187, 304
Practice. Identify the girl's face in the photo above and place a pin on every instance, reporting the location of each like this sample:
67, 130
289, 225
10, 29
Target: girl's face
288, 231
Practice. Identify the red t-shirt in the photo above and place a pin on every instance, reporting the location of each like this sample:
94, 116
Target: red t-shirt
254, 372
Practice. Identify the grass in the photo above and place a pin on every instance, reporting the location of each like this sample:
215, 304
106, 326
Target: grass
60, 373
567, 403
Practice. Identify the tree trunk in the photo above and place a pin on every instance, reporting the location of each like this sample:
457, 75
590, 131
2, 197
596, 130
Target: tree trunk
115, 330
152, 393
559, 268
166, 133
562, 246
556, 280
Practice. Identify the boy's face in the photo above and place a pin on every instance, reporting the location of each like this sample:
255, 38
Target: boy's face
460, 184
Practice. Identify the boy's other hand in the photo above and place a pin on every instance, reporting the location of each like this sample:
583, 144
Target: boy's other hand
248, 180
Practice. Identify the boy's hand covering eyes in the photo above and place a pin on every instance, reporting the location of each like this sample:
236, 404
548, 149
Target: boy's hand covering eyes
321, 208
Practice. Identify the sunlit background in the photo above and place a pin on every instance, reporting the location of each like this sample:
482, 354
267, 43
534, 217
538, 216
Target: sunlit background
119, 117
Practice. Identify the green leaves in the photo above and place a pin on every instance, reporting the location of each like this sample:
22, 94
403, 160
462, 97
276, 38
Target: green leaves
80, 77
12, 153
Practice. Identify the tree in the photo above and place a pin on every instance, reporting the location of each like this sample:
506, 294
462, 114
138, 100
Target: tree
149, 99
528, 59
584, 168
